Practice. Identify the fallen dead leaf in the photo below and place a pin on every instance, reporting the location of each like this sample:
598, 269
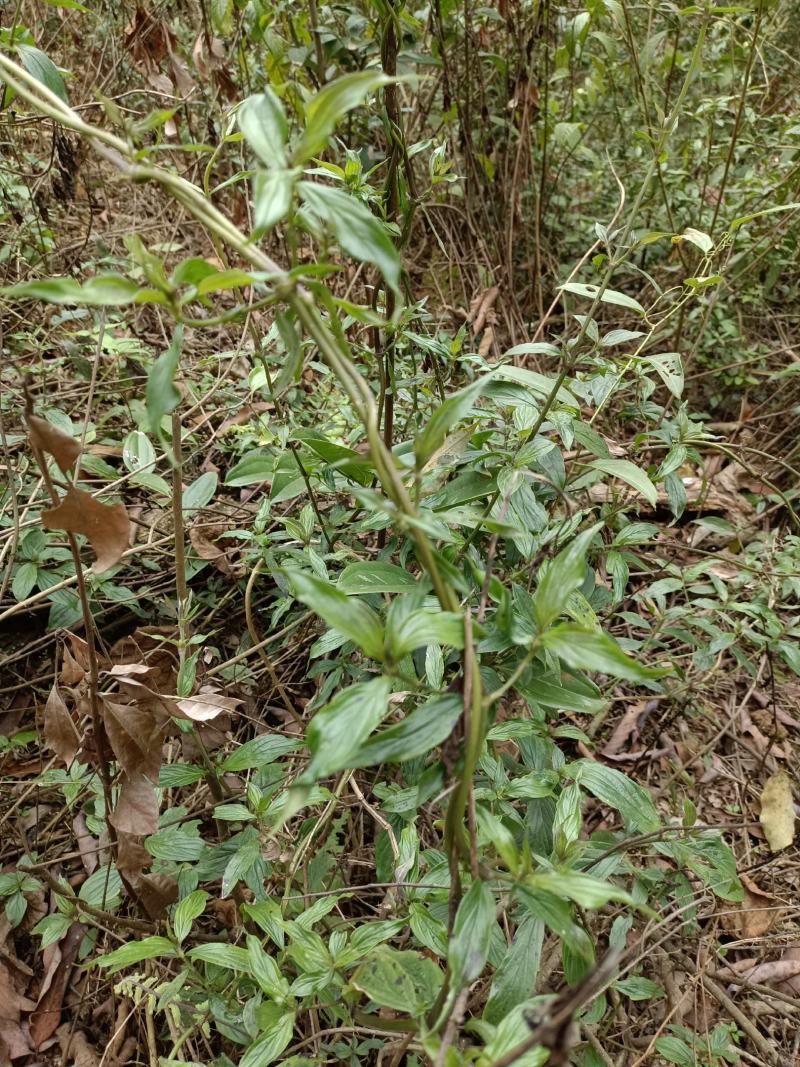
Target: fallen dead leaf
206, 705
136, 810
60, 732
777, 811
71, 671
14, 1039
47, 1015
132, 856
625, 730
774, 971
46, 437
106, 526
755, 915
87, 844
134, 736
156, 892
75, 1047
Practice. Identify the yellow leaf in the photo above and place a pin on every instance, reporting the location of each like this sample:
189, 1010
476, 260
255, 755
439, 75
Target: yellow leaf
777, 811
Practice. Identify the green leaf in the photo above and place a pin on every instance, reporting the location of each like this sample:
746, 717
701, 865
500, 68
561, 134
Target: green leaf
616, 789
416, 735
609, 296
698, 238
43, 69
514, 979
631, 474
403, 981
267, 915
272, 196
106, 290
529, 348
337, 732
162, 396
669, 367
52, 928
539, 384
270, 1044
137, 452
592, 650
585, 891
330, 104
262, 120
359, 233
556, 914
259, 752
265, 970
563, 575
16, 906
231, 957
375, 577
148, 948
351, 618
635, 987
102, 889
200, 492
424, 628
24, 580
675, 1051
252, 470
186, 911
472, 935
453, 410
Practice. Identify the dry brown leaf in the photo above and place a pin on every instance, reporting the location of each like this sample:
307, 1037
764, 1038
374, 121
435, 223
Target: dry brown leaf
46, 1018
136, 811
47, 438
206, 705
791, 985
107, 526
156, 892
134, 737
87, 844
71, 671
132, 856
777, 811
775, 971
755, 915
75, 1047
14, 1039
59, 729
626, 729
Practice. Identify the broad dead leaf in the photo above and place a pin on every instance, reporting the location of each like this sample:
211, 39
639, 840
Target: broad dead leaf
107, 526
75, 1047
59, 729
46, 437
14, 1041
775, 971
132, 856
206, 705
625, 729
136, 810
71, 671
46, 1018
134, 737
777, 811
156, 892
87, 844
755, 915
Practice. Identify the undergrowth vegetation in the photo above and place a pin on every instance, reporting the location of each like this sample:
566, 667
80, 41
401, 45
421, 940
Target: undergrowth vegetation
401, 563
